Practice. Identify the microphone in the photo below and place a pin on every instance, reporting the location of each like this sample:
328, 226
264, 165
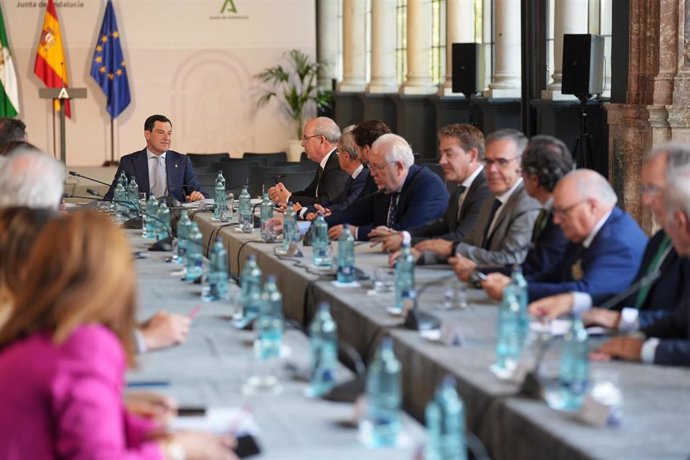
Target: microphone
632, 289
367, 196
82, 197
416, 319
93, 192
76, 174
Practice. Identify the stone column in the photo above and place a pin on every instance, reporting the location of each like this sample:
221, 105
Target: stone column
418, 79
679, 111
354, 40
459, 29
570, 17
505, 81
383, 27
327, 43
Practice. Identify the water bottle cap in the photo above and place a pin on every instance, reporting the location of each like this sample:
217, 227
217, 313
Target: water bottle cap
271, 279
448, 381
324, 306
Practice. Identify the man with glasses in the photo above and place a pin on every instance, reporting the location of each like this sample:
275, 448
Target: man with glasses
544, 163
659, 297
461, 148
319, 141
504, 227
410, 194
605, 243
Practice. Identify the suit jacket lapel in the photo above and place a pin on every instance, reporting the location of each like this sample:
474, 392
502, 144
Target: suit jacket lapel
141, 170
504, 211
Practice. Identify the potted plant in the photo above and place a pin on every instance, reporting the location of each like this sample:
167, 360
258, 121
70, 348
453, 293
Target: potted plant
295, 86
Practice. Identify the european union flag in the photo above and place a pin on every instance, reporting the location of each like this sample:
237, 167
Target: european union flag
108, 66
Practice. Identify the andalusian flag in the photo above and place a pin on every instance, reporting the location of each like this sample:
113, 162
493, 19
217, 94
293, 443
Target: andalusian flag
9, 94
50, 63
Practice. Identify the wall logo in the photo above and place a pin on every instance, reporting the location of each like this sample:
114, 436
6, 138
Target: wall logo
228, 10
228, 7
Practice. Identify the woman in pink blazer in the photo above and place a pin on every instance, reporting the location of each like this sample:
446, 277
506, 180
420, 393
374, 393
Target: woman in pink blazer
64, 351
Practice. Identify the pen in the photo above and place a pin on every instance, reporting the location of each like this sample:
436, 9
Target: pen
193, 312
148, 383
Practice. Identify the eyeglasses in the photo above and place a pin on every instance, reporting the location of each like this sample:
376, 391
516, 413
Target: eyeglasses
564, 212
380, 167
501, 162
651, 189
306, 138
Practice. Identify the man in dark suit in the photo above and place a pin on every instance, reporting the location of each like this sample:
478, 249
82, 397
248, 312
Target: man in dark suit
159, 171
544, 162
319, 141
350, 162
461, 148
410, 194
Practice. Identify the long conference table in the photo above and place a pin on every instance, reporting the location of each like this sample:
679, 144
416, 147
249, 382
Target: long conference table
656, 420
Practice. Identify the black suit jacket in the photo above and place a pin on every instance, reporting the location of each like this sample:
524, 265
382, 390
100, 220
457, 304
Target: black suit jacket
674, 334
179, 170
353, 189
455, 225
423, 198
330, 184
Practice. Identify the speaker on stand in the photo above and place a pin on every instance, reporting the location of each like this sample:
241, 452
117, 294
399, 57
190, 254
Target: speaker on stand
466, 73
583, 77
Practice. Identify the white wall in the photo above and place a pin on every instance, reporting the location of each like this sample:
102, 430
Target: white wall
185, 60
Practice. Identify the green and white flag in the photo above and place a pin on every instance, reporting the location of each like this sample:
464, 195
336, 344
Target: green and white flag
9, 93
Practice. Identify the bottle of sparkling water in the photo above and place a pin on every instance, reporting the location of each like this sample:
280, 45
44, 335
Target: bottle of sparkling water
250, 283
132, 193
219, 205
520, 288
150, 222
194, 258
404, 278
320, 243
445, 422
245, 211
384, 398
270, 321
183, 227
163, 221
218, 272
265, 215
289, 227
508, 348
574, 368
346, 256
323, 338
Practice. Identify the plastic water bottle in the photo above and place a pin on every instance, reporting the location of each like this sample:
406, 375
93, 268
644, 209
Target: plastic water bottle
384, 397
120, 198
346, 256
245, 211
266, 214
445, 422
520, 288
250, 282
404, 278
218, 272
194, 257
508, 347
219, 205
270, 321
132, 192
183, 227
163, 221
150, 218
574, 368
320, 254
323, 338
289, 227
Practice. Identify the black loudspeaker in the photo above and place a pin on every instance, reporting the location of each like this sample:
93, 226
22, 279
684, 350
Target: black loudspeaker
583, 65
465, 68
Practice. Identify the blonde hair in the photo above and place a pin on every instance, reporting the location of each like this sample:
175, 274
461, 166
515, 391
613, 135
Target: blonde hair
80, 271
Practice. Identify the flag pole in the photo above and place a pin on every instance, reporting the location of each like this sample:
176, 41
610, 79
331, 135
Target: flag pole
52, 110
112, 161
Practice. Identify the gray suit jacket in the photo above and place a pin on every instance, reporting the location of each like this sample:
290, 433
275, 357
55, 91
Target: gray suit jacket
510, 238
456, 225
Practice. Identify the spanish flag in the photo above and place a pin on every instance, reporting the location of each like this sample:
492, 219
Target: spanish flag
50, 57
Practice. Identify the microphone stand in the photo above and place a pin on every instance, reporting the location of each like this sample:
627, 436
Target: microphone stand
76, 174
417, 320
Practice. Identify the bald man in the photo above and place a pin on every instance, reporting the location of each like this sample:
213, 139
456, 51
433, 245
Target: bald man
605, 244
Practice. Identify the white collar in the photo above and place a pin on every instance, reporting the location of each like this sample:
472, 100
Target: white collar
588, 241
507, 194
324, 160
150, 154
356, 172
468, 182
